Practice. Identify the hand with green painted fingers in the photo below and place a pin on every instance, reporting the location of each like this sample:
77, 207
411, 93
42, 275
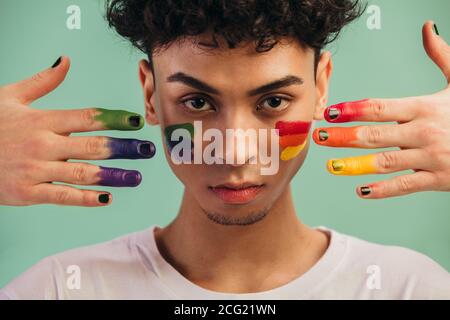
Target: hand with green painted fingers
36, 144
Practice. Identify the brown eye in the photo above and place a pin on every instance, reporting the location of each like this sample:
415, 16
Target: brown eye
274, 103
197, 104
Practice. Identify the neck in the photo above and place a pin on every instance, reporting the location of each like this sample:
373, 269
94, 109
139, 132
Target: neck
280, 242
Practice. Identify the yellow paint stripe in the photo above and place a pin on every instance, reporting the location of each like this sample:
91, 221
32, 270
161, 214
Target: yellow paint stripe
291, 152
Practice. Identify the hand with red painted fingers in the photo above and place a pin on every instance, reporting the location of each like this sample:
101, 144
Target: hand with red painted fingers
36, 144
422, 133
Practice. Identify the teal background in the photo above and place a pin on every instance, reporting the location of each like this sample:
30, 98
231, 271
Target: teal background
387, 63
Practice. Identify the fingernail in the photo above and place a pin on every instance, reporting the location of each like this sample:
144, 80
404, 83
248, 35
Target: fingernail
436, 29
132, 179
365, 191
135, 121
57, 62
103, 198
146, 149
333, 113
323, 135
338, 165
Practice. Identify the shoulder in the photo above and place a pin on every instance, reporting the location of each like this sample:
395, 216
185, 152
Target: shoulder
405, 273
53, 276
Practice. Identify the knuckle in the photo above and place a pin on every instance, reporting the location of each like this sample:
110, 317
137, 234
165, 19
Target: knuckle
39, 144
428, 133
94, 146
88, 116
20, 193
378, 108
29, 169
79, 173
62, 196
441, 157
373, 134
405, 184
388, 161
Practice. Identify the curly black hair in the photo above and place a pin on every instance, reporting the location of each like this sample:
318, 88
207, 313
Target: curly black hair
151, 25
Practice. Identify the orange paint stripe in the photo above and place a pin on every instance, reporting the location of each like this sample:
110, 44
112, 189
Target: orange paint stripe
293, 140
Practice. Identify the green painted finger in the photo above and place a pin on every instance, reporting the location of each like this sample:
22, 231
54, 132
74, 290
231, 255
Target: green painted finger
119, 119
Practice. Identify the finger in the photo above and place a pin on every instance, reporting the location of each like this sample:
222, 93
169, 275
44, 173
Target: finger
368, 137
436, 47
92, 119
69, 196
379, 110
398, 186
383, 162
88, 174
98, 148
40, 84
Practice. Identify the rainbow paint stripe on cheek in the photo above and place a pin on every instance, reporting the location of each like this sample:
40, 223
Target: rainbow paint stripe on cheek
293, 137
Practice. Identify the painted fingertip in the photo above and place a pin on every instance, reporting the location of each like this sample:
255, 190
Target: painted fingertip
103, 198
132, 178
136, 121
57, 62
365, 191
336, 166
323, 135
332, 113
146, 149
436, 29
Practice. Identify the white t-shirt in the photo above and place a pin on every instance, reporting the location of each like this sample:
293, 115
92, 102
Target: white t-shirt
131, 267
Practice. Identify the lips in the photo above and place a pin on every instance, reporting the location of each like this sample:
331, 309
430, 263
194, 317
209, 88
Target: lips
239, 193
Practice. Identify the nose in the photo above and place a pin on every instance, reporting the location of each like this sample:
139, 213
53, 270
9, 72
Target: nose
241, 139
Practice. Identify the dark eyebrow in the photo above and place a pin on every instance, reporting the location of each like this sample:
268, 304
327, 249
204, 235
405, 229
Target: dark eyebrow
200, 85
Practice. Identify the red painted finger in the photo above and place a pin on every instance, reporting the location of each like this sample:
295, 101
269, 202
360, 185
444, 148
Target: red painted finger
380, 110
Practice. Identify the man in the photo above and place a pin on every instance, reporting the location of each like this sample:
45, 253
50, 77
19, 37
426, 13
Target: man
237, 234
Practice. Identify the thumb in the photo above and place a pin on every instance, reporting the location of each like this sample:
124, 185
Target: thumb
437, 49
40, 84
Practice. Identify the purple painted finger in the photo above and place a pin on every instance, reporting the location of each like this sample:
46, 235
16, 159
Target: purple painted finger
115, 177
130, 149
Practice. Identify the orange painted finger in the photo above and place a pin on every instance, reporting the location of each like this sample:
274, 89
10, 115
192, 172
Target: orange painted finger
369, 137
336, 137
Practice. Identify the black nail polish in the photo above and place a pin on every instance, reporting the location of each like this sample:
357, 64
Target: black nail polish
436, 29
146, 149
333, 113
323, 135
57, 62
134, 121
103, 198
365, 191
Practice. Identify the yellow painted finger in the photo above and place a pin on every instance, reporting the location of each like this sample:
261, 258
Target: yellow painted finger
353, 166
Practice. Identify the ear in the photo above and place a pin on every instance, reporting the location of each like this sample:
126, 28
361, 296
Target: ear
147, 82
324, 71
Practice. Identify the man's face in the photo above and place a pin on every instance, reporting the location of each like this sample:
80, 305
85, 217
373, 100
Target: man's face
233, 193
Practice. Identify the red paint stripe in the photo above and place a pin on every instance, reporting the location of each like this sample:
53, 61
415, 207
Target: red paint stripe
292, 127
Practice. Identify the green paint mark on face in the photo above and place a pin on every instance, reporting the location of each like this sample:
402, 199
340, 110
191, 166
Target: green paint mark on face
170, 129
119, 119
